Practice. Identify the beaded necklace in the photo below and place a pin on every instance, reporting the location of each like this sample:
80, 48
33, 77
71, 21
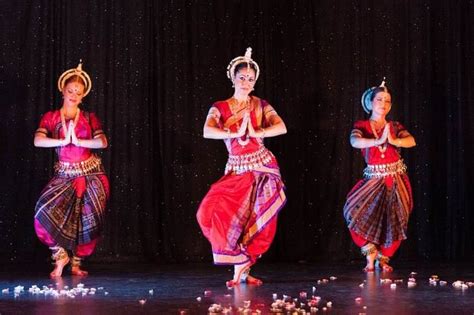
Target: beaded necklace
382, 148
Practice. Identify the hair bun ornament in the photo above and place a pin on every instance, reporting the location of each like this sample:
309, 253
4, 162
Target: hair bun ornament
80, 73
247, 58
367, 95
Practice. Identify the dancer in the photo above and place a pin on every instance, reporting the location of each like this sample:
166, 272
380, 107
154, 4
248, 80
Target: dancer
378, 207
70, 211
239, 213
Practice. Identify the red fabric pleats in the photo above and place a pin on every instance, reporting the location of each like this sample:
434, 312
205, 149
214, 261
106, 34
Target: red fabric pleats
81, 250
388, 251
80, 187
239, 215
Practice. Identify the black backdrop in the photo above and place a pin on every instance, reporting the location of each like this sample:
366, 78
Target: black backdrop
158, 65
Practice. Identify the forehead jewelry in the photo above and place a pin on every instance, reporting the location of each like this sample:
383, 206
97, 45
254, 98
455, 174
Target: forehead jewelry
247, 58
79, 72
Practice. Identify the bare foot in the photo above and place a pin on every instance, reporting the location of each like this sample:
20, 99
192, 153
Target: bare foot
59, 266
370, 267
231, 283
77, 271
239, 271
253, 280
384, 266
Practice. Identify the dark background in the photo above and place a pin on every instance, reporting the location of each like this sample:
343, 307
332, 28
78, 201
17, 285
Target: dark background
156, 68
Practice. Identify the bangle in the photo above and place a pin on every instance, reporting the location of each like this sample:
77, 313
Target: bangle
263, 131
228, 133
399, 142
375, 140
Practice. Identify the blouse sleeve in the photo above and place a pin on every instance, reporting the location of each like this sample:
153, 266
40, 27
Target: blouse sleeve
399, 128
268, 112
357, 129
96, 126
214, 113
45, 125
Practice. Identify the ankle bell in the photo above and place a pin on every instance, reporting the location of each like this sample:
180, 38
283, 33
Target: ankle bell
383, 259
76, 261
368, 249
58, 253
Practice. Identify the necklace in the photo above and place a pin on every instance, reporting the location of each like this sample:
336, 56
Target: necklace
63, 121
382, 148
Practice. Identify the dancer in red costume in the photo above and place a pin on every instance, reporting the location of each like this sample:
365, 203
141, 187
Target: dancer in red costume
239, 213
378, 207
70, 211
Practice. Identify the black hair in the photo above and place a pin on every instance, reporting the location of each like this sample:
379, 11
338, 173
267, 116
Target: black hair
243, 65
379, 89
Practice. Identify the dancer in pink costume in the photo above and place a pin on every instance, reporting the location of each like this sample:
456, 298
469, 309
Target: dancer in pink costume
70, 211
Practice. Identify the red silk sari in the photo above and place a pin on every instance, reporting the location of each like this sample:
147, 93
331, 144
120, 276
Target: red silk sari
239, 213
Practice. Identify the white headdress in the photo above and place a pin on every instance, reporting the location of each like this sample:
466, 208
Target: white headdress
79, 72
247, 58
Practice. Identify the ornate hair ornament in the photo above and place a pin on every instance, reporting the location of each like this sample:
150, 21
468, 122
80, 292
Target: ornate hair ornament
367, 95
80, 73
247, 58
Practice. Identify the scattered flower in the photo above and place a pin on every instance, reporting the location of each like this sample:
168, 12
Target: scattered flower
215, 308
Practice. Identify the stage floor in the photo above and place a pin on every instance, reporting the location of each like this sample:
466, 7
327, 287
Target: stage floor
192, 289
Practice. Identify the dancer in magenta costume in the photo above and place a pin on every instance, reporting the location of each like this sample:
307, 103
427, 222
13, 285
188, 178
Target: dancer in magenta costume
378, 207
239, 213
70, 211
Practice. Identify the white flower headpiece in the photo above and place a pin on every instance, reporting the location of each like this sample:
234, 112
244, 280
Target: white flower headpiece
247, 58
